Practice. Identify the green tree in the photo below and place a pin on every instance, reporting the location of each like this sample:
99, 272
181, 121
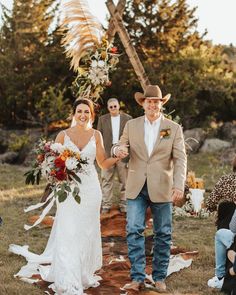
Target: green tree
52, 107
201, 85
159, 29
31, 57
176, 58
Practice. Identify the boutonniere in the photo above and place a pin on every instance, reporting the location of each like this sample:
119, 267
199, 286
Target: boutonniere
165, 133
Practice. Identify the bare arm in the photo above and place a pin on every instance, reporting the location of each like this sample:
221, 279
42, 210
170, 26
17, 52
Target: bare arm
103, 162
60, 137
121, 148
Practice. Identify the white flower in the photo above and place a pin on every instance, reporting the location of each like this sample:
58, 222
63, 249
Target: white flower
57, 147
74, 149
94, 64
101, 63
71, 163
49, 160
98, 75
96, 55
45, 169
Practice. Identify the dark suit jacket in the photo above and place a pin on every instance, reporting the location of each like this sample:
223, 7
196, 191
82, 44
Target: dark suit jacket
104, 126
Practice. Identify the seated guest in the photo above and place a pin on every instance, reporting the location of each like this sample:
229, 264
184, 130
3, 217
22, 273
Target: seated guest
225, 189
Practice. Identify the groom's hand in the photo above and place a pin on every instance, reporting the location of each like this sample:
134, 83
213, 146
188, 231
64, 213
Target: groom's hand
177, 196
121, 151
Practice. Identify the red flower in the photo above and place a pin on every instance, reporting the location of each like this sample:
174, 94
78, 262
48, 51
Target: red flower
114, 49
59, 163
60, 175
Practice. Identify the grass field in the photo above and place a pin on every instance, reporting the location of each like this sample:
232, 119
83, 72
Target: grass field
190, 233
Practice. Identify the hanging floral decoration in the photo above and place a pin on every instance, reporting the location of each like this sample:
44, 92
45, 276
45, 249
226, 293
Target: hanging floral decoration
92, 57
95, 69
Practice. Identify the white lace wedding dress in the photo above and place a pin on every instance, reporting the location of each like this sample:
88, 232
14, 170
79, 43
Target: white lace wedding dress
73, 252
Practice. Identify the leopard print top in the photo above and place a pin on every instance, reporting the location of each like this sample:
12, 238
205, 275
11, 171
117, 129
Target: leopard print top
225, 189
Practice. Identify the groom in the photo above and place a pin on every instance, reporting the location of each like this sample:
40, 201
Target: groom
156, 178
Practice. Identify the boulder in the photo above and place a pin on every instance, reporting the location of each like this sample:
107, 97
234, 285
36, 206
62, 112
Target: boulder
9, 157
227, 155
214, 144
228, 131
3, 141
194, 139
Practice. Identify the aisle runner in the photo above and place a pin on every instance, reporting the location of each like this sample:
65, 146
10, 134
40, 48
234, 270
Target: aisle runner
115, 271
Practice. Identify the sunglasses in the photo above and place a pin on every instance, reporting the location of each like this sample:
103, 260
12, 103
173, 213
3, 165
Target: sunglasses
112, 107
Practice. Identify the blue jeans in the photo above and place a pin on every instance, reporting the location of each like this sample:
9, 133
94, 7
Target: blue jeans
223, 240
162, 226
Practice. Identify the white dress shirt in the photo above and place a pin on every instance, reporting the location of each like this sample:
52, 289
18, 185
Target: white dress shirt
150, 133
115, 126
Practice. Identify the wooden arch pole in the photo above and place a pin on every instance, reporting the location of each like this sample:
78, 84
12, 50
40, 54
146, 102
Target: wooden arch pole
116, 25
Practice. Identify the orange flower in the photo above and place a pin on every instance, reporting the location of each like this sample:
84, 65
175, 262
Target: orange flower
165, 133
40, 158
66, 154
53, 172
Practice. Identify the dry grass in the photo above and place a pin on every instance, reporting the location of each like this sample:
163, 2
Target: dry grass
193, 234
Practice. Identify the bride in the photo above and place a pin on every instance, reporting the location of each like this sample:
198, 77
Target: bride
74, 253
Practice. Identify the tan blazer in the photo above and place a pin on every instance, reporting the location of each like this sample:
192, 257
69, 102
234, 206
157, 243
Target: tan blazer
164, 170
104, 126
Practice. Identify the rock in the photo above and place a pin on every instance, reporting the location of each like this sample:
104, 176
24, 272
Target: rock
228, 131
3, 141
214, 144
194, 139
9, 158
227, 156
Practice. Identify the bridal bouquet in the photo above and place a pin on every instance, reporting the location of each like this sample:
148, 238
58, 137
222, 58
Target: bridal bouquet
59, 166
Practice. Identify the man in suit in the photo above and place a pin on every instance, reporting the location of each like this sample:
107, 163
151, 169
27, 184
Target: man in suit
111, 126
156, 178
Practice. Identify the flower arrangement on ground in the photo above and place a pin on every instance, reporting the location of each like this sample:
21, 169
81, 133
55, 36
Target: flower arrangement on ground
59, 166
194, 205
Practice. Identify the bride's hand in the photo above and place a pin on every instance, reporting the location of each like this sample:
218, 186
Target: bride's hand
122, 151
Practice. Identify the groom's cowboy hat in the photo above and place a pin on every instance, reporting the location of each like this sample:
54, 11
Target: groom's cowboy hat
152, 92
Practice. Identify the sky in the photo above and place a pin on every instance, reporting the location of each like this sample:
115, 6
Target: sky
215, 16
